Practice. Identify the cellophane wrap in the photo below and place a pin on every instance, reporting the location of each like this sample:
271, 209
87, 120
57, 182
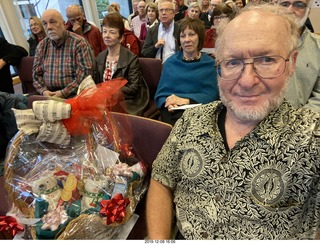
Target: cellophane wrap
87, 188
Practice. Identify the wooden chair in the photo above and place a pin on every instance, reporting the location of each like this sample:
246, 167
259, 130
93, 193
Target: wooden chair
151, 69
25, 74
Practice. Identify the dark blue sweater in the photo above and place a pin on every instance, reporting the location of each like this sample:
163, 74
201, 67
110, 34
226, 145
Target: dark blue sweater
195, 80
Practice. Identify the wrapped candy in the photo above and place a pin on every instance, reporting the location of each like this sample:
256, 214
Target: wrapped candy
71, 168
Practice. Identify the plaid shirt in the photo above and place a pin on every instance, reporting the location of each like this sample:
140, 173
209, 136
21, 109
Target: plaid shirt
62, 67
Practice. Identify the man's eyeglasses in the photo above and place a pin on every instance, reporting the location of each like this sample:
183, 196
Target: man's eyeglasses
165, 10
295, 5
266, 67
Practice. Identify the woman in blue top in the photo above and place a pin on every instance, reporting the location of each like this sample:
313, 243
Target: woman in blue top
188, 76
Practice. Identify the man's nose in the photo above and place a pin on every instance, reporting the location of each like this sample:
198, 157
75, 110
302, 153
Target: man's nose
49, 26
248, 76
290, 8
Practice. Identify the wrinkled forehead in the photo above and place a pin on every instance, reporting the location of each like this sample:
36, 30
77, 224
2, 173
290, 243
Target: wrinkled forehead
244, 35
292, 1
52, 14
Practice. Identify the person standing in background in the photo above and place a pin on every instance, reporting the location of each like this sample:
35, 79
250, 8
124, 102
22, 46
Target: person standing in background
135, 10
116, 7
9, 55
152, 19
141, 18
206, 17
37, 34
161, 40
181, 11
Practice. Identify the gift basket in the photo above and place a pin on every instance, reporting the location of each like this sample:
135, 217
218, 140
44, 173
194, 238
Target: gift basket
71, 171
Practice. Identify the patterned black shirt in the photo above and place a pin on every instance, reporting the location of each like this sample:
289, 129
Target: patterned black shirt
266, 187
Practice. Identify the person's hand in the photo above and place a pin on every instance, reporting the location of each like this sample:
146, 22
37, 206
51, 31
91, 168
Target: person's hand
48, 93
76, 28
160, 43
58, 94
174, 101
2, 63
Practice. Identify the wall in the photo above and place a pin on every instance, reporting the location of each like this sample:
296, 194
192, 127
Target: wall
315, 19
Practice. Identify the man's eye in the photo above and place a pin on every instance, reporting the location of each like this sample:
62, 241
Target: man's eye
232, 63
266, 60
285, 4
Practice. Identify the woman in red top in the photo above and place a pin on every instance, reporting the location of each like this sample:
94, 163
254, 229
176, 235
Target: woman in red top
220, 12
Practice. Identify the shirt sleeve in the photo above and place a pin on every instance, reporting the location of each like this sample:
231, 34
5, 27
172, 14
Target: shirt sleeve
38, 81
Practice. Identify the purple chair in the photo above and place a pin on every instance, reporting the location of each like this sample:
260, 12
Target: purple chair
25, 74
151, 69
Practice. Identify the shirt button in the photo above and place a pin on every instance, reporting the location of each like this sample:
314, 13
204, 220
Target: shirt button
217, 197
205, 235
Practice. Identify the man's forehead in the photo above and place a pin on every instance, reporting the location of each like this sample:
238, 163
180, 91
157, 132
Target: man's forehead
292, 1
246, 28
166, 4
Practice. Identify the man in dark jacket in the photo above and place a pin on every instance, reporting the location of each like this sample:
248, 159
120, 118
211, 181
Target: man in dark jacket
9, 55
161, 40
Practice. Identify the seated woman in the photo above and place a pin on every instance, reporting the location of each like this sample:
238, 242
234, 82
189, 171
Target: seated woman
220, 12
188, 76
118, 61
152, 19
37, 34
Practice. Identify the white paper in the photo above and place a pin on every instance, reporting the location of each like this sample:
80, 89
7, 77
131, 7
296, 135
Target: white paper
184, 107
208, 50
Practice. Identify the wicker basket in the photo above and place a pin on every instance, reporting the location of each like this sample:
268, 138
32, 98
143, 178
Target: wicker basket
82, 227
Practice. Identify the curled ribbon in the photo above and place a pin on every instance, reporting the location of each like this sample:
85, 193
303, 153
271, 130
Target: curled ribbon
91, 104
114, 209
8, 223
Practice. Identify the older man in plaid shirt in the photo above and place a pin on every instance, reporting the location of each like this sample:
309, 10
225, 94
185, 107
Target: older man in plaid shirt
63, 59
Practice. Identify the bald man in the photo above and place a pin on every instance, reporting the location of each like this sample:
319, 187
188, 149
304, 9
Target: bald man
62, 60
246, 167
78, 24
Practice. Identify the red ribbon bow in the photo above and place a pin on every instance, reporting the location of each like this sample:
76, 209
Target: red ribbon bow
8, 223
114, 209
91, 104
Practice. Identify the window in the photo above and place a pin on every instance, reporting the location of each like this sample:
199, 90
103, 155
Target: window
36, 7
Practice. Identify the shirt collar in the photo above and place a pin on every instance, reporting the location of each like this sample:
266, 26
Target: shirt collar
170, 27
62, 44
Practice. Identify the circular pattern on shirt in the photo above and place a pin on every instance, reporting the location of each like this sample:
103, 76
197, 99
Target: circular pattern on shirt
268, 186
192, 163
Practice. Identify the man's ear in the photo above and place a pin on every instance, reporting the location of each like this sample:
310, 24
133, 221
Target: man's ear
294, 55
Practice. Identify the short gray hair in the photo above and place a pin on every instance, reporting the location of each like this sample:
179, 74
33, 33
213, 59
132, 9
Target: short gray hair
288, 18
163, 1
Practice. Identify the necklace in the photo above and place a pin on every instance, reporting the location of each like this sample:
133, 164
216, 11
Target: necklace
192, 58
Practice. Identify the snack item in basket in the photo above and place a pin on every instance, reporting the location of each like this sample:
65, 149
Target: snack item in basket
93, 194
47, 188
53, 219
